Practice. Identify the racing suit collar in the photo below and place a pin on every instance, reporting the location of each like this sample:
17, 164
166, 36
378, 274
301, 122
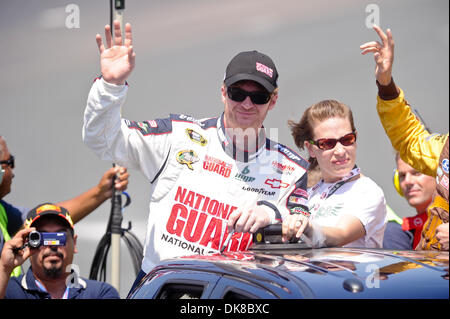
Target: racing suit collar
230, 147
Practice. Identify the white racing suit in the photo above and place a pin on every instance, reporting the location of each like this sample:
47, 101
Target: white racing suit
197, 179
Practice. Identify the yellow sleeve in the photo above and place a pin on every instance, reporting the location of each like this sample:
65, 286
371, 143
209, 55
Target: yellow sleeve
417, 147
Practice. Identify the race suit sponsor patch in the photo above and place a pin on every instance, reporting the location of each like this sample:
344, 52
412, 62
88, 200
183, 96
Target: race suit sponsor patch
142, 127
444, 182
187, 158
298, 200
276, 183
196, 137
152, 127
445, 165
198, 223
300, 192
261, 190
300, 210
217, 166
282, 168
242, 176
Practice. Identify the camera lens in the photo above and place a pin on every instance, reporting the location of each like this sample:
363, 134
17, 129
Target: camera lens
34, 239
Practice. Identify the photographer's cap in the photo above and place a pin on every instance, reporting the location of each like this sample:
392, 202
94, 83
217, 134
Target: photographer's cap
254, 66
47, 209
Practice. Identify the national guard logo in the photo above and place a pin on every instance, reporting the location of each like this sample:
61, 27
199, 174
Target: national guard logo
218, 166
187, 157
196, 137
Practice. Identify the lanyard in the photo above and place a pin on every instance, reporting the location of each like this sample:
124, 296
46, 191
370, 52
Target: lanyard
355, 172
42, 288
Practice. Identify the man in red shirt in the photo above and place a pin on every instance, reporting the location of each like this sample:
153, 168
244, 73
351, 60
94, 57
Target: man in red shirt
417, 188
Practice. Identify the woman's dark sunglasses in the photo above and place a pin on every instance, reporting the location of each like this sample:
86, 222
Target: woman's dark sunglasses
9, 161
239, 95
330, 143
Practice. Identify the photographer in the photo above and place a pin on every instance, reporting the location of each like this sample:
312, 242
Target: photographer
12, 217
50, 275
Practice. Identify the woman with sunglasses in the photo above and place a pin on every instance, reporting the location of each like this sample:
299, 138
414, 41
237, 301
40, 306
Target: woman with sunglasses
347, 208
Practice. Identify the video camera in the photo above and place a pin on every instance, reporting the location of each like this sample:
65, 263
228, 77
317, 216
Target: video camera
37, 239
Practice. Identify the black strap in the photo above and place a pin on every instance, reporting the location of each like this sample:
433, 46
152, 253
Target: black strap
272, 206
162, 167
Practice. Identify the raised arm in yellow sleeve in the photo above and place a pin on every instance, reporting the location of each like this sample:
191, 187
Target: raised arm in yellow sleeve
417, 147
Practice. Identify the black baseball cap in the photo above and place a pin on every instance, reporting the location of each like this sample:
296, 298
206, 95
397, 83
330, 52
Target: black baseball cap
254, 66
48, 209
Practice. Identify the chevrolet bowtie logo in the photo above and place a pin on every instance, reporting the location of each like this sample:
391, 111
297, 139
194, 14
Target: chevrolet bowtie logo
276, 183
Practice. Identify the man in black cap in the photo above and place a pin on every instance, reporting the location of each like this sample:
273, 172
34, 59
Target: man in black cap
50, 249
12, 217
209, 177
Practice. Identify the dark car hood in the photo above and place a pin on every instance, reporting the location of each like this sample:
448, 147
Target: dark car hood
333, 272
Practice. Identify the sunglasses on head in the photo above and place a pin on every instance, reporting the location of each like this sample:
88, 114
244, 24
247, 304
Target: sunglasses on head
9, 161
239, 95
330, 143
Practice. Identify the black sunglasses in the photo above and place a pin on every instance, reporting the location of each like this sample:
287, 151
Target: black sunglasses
330, 143
239, 95
9, 161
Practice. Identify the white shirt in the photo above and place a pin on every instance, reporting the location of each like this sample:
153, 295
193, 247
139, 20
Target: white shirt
361, 198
